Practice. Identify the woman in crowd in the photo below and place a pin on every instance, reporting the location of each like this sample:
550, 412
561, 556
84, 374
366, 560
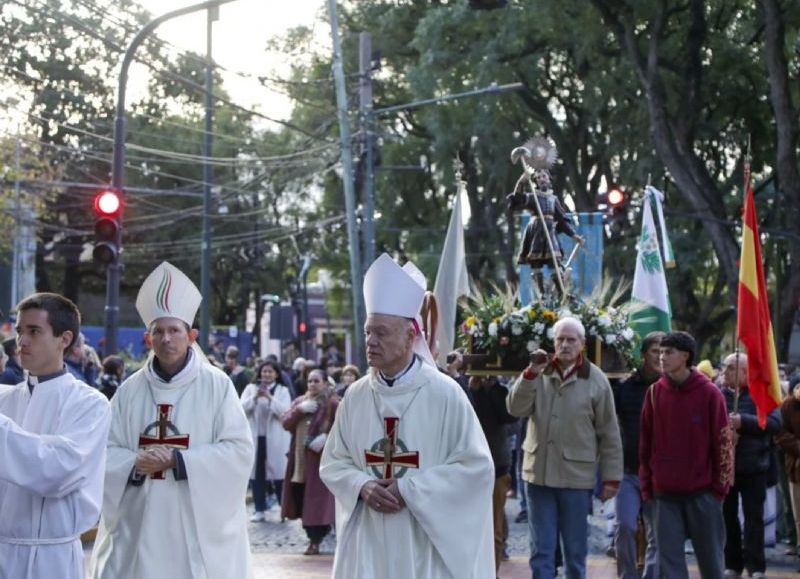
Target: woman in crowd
264, 403
349, 375
309, 420
789, 441
112, 376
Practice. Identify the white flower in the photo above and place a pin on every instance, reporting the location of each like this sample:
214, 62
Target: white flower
538, 327
604, 321
533, 345
493, 329
516, 330
610, 338
627, 333
474, 330
551, 333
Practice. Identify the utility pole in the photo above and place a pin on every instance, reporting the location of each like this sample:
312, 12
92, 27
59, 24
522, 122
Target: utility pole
302, 282
356, 271
368, 166
205, 248
15, 255
118, 161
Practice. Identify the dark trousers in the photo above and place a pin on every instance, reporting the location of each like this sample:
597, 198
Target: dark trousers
697, 517
750, 555
260, 484
315, 533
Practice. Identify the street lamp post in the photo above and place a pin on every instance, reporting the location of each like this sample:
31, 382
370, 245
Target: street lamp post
118, 162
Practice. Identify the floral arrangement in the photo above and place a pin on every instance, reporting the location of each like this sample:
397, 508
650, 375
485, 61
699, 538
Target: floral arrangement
498, 325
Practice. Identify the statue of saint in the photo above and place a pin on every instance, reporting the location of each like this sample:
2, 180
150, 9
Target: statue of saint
540, 245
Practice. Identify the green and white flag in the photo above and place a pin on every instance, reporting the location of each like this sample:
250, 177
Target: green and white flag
649, 282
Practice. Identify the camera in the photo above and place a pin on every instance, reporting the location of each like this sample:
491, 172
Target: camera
451, 357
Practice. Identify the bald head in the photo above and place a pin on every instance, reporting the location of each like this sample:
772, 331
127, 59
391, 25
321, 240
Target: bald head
734, 371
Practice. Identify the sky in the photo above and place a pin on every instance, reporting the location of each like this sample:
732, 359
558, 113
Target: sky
238, 43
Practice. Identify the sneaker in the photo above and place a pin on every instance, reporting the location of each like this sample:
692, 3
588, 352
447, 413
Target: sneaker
759, 575
731, 574
257, 517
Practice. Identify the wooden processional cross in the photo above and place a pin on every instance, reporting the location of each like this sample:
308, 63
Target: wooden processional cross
385, 453
163, 426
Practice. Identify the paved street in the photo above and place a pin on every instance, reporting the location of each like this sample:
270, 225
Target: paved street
277, 551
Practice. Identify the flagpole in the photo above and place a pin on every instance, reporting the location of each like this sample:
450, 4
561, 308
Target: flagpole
736, 335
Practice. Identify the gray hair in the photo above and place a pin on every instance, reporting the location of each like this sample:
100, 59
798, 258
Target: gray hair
570, 322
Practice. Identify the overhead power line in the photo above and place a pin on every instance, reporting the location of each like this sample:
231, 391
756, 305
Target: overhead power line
77, 24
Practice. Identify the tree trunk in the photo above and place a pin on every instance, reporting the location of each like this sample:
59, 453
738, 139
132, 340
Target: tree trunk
673, 134
788, 181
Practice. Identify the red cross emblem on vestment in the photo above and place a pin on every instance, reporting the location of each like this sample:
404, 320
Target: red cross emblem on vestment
384, 453
162, 427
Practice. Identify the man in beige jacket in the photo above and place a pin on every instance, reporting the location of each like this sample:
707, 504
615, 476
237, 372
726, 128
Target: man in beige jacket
572, 430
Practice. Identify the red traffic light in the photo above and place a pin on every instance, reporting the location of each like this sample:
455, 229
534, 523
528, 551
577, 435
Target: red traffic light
301, 328
615, 197
107, 203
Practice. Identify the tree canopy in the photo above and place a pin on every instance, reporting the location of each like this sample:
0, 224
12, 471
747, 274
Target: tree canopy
631, 92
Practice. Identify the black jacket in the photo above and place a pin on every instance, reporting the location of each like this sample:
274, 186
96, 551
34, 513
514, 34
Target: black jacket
628, 400
755, 444
13, 374
489, 402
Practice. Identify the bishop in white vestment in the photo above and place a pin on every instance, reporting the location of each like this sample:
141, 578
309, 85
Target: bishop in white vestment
412, 432
53, 431
187, 521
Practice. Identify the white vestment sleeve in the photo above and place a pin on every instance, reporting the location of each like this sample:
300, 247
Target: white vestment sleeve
458, 489
337, 469
51, 465
120, 458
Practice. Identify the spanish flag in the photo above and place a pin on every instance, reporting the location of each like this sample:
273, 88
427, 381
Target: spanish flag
754, 325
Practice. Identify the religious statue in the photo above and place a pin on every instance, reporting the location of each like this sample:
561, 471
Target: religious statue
534, 192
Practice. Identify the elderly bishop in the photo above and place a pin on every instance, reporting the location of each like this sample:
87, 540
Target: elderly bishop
406, 458
179, 454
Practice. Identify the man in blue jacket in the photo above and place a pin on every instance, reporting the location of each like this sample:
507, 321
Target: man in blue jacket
753, 449
13, 374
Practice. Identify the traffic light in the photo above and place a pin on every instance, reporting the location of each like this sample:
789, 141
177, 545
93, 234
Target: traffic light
107, 226
614, 204
616, 197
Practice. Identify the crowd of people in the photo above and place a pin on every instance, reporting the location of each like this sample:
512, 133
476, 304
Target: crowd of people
164, 457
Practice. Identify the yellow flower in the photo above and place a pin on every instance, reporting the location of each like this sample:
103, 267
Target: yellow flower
531, 314
470, 321
549, 315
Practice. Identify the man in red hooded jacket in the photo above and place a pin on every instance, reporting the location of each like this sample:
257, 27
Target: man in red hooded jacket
686, 461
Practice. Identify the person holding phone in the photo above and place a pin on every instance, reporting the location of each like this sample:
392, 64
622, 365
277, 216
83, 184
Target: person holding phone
264, 403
